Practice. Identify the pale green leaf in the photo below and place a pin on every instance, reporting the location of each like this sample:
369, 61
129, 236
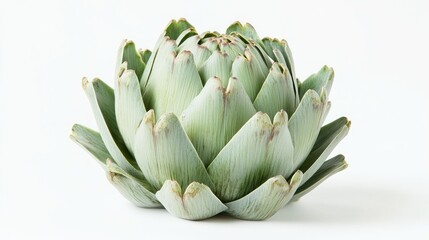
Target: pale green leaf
209, 34
232, 49
128, 53
304, 125
329, 168
91, 141
266, 200
102, 100
279, 51
283, 47
145, 55
131, 188
164, 152
176, 27
289, 59
200, 53
174, 81
276, 93
329, 137
196, 203
258, 151
259, 61
325, 113
185, 35
247, 70
129, 107
246, 30
149, 63
237, 42
322, 79
211, 44
264, 56
215, 115
279, 57
243, 39
218, 65
268, 48
161, 65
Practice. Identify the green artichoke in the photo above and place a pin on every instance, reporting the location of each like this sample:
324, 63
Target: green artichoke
212, 122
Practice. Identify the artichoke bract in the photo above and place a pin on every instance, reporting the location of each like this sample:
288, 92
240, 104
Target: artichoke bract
212, 122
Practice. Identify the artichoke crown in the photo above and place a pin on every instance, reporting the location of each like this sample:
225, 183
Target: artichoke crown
212, 122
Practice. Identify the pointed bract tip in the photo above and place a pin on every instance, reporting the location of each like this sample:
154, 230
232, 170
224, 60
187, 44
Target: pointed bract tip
110, 175
85, 82
313, 95
215, 79
181, 24
72, 134
122, 68
193, 189
236, 23
249, 25
281, 117
296, 178
127, 42
109, 162
233, 84
175, 186
262, 118
149, 118
74, 128
349, 124
276, 67
275, 40
182, 19
125, 77
325, 68
323, 95
185, 55
279, 181
166, 120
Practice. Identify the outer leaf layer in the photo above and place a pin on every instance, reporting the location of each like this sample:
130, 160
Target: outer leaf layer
328, 169
102, 101
196, 203
329, 136
91, 141
215, 116
304, 125
129, 107
318, 81
257, 152
164, 152
266, 200
132, 189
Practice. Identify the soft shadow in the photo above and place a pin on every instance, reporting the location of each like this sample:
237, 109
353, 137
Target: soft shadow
348, 205
221, 218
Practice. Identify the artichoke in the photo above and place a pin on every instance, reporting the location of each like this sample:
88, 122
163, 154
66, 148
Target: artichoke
212, 122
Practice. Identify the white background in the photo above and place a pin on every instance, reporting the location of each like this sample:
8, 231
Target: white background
52, 189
